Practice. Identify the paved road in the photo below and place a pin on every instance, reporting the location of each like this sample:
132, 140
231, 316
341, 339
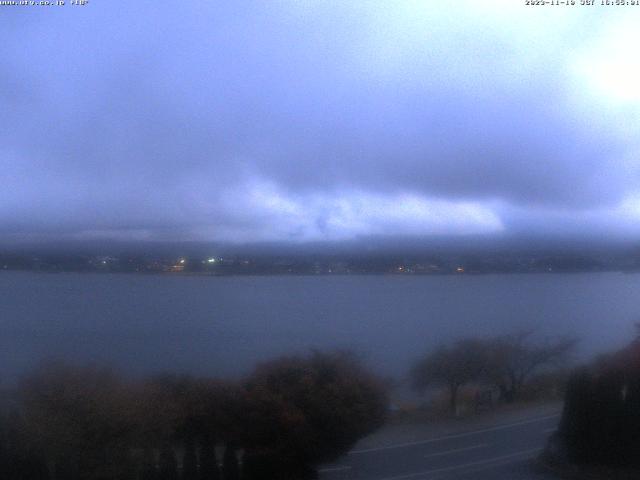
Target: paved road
499, 452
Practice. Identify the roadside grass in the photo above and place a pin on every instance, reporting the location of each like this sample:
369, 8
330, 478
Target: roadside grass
437, 408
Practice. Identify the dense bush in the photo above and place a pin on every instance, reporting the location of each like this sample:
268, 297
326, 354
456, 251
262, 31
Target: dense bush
81, 419
601, 418
88, 423
309, 410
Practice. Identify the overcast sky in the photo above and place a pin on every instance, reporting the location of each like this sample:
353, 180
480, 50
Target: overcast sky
304, 121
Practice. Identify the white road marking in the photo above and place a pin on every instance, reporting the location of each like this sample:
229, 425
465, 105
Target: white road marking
334, 469
457, 435
495, 460
456, 450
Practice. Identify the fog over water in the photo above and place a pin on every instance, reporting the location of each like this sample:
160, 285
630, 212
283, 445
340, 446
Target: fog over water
224, 325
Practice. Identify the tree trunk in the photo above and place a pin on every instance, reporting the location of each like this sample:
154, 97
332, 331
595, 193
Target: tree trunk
230, 466
507, 393
453, 399
168, 463
208, 461
189, 461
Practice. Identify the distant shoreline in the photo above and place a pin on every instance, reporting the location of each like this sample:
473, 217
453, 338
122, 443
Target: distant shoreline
302, 274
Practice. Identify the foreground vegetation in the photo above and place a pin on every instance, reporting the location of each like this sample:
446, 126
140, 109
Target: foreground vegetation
290, 415
71, 423
601, 419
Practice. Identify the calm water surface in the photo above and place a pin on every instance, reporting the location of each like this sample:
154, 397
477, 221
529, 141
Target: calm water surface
223, 325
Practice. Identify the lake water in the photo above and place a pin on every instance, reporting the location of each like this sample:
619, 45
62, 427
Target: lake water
224, 325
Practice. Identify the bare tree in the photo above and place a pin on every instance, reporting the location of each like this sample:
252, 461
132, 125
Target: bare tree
512, 359
452, 367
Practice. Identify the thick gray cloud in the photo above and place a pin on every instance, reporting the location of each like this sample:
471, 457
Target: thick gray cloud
307, 121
